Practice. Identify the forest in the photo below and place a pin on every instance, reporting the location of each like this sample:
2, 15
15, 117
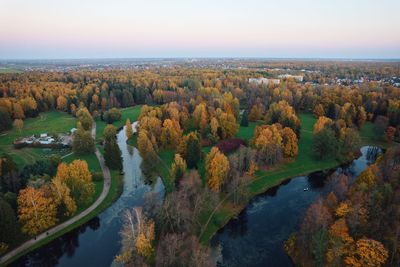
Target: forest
216, 140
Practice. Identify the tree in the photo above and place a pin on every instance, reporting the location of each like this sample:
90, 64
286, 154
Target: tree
5, 119
368, 252
62, 103
321, 123
128, 129
390, 133
36, 211
171, 133
325, 144
112, 153
82, 142
256, 112
62, 196
84, 118
8, 223
112, 115
200, 117
217, 168
18, 112
289, 143
245, 119
137, 237
319, 111
268, 142
78, 178
18, 124
190, 149
178, 169
350, 142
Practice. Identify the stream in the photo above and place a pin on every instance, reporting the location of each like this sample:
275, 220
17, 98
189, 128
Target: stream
97, 242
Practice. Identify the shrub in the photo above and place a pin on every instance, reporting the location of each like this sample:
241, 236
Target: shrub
230, 145
97, 176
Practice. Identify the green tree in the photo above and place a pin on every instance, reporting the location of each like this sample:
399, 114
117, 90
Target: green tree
245, 119
112, 153
112, 115
325, 145
82, 141
8, 223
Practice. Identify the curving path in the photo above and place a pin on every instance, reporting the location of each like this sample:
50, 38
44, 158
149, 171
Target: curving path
57, 228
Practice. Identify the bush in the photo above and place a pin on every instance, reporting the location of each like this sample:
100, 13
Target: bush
112, 115
230, 145
97, 176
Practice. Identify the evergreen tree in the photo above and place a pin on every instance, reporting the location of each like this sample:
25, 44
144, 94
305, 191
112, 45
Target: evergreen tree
112, 153
8, 223
83, 141
193, 151
245, 119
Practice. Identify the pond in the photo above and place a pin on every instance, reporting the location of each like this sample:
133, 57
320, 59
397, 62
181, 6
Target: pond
97, 242
256, 236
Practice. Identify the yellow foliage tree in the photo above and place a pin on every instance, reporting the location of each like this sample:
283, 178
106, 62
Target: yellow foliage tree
178, 168
289, 143
62, 194
171, 134
36, 211
217, 168
321, 123
368, 253
78, 178
342, 209
128, 129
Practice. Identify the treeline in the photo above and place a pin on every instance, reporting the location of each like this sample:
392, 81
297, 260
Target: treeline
357, 223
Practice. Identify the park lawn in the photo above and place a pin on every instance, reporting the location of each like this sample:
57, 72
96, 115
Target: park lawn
52, 122
265, 179
132, 113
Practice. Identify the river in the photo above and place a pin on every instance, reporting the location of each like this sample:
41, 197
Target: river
255, 238
97, 242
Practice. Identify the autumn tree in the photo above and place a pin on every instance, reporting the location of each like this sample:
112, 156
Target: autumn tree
200, 117
268, 142
289, 143
18, 124
171, 133
128, 129
62, 103
319, 111
368, 252
62, 196
78, 179
36, 211
390, 133
217, 168
178, 169
84, 118
137, 237
112, 115
321, 123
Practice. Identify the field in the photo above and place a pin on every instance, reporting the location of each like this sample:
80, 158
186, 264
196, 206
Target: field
132, 113
48, 122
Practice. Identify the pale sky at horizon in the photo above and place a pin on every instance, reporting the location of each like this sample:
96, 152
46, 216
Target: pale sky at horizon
45, 29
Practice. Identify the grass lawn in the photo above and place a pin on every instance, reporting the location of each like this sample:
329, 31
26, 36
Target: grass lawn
47, 122
132, 113
304, 164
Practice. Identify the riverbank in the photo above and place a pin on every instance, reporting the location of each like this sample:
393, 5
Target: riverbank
266, 179
111, 189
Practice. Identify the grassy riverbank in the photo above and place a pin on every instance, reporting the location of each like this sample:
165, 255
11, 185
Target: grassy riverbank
265, 179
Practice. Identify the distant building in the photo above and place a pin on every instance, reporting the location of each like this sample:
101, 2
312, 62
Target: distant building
43, 135
73, 130
298, 78
264, 81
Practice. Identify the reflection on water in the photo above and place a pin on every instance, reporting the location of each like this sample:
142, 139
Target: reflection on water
256, 236
97, 242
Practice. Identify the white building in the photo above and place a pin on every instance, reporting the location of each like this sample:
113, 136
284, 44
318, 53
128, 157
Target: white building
298, 78
264, 81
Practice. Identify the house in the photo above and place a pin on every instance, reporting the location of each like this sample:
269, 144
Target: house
298, 78
265, 81
43, 135
73, 130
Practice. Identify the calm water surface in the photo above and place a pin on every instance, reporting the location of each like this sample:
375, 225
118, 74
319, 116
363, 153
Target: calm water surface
96, 243
255, 238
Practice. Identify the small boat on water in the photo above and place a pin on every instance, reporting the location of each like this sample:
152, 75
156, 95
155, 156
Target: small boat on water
305, 189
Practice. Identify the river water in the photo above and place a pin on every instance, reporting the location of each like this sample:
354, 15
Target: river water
255, 238
97, 242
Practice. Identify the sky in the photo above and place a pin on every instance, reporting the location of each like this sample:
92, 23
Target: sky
58, 29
